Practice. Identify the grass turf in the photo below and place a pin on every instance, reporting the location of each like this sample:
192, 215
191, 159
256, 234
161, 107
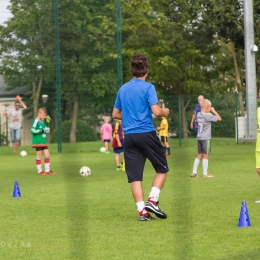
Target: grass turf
66, 216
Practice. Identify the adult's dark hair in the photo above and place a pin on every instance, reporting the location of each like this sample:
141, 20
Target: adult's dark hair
139, 65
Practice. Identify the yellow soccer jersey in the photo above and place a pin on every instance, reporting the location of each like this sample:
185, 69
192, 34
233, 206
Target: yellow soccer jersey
164, 123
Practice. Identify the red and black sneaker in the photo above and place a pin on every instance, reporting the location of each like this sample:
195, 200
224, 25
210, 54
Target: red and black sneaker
50, 172
42, 173
145, 217
152, 206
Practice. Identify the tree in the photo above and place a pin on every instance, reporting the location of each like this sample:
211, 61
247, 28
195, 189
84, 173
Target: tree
88, 48
225, 20
27, 46
180, 56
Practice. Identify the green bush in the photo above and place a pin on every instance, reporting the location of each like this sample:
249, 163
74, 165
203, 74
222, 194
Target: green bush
3, 140
226, 127
84, 132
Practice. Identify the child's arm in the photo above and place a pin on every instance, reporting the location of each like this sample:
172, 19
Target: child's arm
118, 140
35, 130
161, 127
157, 111
192, 120
5, 114
214, 112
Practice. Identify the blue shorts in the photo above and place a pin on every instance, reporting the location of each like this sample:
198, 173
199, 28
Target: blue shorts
118, 150
15, 134
138, 148
106, 140
196, 128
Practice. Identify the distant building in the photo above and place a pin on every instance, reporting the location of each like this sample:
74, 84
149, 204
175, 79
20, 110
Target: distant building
7, 99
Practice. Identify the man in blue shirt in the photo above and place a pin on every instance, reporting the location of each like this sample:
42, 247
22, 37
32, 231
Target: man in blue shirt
135, 103
197, 109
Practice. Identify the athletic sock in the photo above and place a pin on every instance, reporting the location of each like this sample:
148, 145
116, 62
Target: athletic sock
154, 195
164, 149
169, 150
39, 165
196, 165
205, 163
47, 164
140, 208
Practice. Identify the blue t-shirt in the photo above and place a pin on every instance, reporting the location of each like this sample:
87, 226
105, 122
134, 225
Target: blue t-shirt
135, 99
197, 109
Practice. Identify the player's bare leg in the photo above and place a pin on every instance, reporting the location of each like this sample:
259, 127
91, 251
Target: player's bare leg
258, 171
205, 162
196, 165
117, 161
47, 162
137, 191
16, 146
39, 163
13, 144
153, 199
159, 180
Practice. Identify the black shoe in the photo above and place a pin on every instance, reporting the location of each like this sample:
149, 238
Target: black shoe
145, 218
150, 207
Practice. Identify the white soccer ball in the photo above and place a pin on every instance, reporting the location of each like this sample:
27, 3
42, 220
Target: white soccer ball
23, 153
102, 149
84, 171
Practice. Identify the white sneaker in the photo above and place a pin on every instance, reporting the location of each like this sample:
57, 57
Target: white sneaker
257, 201
208, 175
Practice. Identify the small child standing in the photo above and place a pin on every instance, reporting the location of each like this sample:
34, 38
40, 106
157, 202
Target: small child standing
163, 133
204, 119
118, 140
106, 133
41, 126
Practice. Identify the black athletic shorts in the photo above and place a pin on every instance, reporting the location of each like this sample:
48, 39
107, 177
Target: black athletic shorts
41, 148
138, 148
164, 139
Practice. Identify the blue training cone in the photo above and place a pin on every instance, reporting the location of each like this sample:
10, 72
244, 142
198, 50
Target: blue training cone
244, 220
16, 192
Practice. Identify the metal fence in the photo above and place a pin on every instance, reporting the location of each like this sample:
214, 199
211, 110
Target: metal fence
91, 112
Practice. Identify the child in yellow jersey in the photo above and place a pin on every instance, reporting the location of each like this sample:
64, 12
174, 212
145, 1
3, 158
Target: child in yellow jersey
163, 133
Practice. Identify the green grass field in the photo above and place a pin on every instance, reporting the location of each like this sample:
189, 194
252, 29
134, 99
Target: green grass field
66, 216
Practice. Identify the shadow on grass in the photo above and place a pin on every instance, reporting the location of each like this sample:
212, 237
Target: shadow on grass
182, 206
249, 255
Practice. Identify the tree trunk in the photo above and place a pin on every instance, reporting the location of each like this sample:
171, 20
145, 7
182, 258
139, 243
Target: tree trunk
238, 80
36, 94
73, 129
183, 118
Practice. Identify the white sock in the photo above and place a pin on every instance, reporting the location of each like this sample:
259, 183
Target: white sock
196, 165
154, 194
47, 164
140, 207
39, 165
205, 164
